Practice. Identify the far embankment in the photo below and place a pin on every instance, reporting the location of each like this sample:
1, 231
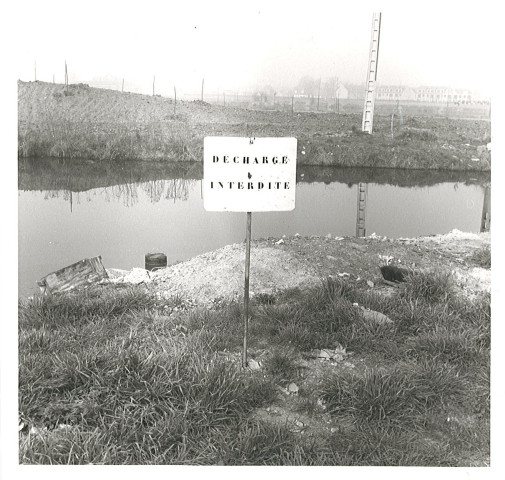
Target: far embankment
78, 121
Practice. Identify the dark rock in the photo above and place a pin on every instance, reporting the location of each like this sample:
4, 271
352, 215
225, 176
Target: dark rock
394, 274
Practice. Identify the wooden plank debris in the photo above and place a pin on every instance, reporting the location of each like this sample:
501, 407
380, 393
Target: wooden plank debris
84, 272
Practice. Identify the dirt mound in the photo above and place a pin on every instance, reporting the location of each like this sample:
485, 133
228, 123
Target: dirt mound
277, 265
220, 274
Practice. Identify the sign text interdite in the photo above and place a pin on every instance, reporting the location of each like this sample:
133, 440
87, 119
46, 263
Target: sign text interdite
249, 175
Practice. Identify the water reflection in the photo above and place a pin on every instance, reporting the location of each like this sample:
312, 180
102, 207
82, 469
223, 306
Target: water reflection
128, 193
82, 175
72, 211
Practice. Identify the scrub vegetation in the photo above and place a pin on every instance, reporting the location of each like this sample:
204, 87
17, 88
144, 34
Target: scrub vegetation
78, 121
106, 377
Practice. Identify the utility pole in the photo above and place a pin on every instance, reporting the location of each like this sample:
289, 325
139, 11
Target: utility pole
203, 80
338, 98
318, 93
154, 81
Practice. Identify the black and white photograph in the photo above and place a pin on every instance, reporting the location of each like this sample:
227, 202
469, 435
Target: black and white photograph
251, 234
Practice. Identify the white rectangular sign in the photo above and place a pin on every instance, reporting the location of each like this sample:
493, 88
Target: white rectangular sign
249, 174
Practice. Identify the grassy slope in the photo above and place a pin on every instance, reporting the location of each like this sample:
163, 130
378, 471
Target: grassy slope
117, 375
105, 124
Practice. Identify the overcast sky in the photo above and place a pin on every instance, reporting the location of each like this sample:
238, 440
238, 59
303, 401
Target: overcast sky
240, 45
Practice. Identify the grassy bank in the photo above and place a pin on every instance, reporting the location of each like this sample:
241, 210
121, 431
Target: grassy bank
79, 121
116, 375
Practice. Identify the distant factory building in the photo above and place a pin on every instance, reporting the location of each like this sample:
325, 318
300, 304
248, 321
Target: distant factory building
443, 95
393, 93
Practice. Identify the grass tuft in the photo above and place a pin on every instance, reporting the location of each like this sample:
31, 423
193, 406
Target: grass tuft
482, 257
107, 376
434, 286
281, 365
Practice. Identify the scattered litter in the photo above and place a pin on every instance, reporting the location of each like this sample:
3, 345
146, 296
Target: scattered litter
253, 364
344, 274
376, 317
279, 242
137, 276
272, 411
370, 283
475, 159
79, 274
324, 354
37, 431
283, 390
340, 350
328, 236
297, 235
293, 388
339, 238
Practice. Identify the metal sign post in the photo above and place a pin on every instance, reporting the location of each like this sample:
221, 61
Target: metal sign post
249, 175
246, 286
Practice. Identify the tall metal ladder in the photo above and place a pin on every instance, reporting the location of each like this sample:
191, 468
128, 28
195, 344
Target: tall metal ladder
367, 123
371, 79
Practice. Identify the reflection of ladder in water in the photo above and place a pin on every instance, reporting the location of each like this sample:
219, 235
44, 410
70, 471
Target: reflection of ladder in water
371, 79
361, 216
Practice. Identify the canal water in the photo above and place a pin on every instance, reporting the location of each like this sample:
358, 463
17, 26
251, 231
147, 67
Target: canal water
74, 210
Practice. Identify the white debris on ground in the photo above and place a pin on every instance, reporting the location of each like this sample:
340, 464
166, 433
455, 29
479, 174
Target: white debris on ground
135, 276
376, 317
474, 279
454, 235
253, 364
337, 355
220, 274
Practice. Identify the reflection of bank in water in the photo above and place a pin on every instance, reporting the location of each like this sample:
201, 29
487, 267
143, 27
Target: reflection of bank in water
128, 193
